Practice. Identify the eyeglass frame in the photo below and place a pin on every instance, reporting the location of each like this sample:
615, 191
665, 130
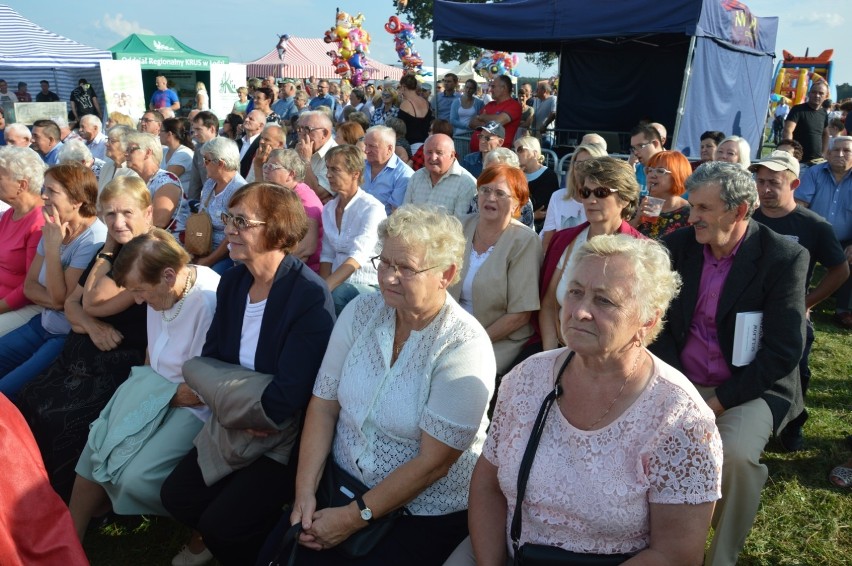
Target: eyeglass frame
657, 170
641, 147
234, 220
410, 273
308, 130
499, 195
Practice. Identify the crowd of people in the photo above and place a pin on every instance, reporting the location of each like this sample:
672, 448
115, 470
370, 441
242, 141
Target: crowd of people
397, 299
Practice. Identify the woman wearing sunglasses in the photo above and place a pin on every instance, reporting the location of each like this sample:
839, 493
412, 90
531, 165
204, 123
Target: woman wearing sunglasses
666, 175
387, 106
609, 193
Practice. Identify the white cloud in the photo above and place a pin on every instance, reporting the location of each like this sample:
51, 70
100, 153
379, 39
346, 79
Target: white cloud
818, 19
121, 27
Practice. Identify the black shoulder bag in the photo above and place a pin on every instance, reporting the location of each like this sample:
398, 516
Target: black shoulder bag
542, 554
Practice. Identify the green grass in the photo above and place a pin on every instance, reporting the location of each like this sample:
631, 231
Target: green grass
803, 520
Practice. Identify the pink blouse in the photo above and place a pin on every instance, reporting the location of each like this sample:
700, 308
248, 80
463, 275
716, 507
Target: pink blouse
19, 242
589, 491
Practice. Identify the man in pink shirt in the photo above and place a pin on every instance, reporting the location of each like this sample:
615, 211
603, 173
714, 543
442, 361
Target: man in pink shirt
732, 265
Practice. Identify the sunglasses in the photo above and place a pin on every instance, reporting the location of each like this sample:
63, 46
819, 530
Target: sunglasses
599, 192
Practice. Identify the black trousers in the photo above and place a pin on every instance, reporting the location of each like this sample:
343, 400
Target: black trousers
415, 540
234, 515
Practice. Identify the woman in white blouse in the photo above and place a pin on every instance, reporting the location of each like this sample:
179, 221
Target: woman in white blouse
152, 418
628, 460
349, 223
399, 402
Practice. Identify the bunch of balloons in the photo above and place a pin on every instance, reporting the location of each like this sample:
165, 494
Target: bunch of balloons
493, 63
353, 43
403, 38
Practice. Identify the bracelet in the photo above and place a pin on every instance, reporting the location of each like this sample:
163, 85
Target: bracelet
108, 256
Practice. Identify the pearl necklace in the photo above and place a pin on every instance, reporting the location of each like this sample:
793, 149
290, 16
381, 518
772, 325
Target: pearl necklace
180, 302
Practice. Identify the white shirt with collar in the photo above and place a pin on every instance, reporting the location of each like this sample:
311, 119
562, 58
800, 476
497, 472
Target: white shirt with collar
318, 165
247, 144
98, 146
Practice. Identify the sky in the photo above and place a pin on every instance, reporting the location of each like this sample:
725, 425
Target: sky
245, 31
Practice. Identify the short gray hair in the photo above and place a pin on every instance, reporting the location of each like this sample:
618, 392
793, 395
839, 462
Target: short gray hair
92, 119
148, 142
831, 141
289, 159
430, 229
225, 150
20, 129
23, 163
120, 132
76, 151
653, 283
322, 117
386, 134
736, 185
501, 155
743, 147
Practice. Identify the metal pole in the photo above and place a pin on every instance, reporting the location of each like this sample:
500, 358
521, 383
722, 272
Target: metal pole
435, 76
687, 75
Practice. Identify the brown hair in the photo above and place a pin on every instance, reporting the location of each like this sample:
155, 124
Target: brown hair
149, 255
615, 174
515, 179
351, 132
80, 184
281, 209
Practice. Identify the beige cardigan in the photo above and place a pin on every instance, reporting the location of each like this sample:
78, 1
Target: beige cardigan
507, 282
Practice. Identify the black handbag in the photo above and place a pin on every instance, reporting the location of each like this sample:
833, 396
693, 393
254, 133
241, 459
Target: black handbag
290, 539
337, 489
542, 554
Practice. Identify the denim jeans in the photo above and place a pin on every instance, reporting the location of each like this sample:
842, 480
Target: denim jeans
345, 292
25, 353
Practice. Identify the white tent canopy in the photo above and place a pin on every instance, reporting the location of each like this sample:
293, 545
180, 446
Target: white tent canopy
30, 53
467, 71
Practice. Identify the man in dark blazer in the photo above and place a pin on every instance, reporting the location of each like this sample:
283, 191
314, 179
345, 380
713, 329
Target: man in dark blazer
730, 264
248, 144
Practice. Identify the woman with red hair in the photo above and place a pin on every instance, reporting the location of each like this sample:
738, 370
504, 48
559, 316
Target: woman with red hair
499, 277
666, 175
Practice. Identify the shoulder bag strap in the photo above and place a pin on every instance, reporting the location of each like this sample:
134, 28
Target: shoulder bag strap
529, 453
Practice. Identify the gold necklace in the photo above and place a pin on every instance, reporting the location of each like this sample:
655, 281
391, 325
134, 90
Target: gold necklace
183, 295
399, 344
617, 397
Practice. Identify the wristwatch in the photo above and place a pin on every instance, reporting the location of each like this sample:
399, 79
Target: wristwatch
106, 255
366, 512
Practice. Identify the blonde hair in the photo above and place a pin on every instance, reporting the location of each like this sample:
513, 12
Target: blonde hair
430, 229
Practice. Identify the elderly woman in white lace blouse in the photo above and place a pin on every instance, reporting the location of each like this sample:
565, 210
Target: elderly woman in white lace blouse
399, 402
628, 463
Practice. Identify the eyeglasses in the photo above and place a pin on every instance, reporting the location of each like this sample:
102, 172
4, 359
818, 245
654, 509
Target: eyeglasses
240, 222
638, 148
498, 194
599, 192
387, 95
657, 170
307, 130
270, 167
401, 271
208, 161
147, 120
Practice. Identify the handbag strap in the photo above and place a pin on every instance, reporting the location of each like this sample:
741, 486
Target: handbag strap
290, 538
207, 202
529, 453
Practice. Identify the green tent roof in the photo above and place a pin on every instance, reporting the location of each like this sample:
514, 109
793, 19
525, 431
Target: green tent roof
163, 52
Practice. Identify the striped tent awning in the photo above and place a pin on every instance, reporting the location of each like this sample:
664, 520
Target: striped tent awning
24, 44
307, 57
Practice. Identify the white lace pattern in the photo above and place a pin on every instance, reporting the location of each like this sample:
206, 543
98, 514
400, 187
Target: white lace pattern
440, 384
589, 491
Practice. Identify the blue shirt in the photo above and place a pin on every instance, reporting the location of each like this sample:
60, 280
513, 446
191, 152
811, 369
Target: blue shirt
163, 98
52, 156
473, 163
445, 104
325, 100
390, 184
285, 108
828, 198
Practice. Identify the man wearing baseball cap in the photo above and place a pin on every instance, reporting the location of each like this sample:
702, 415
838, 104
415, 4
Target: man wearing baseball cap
491, 136
777, 177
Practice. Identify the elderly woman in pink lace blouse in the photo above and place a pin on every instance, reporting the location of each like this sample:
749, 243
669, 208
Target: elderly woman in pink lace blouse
629, 460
